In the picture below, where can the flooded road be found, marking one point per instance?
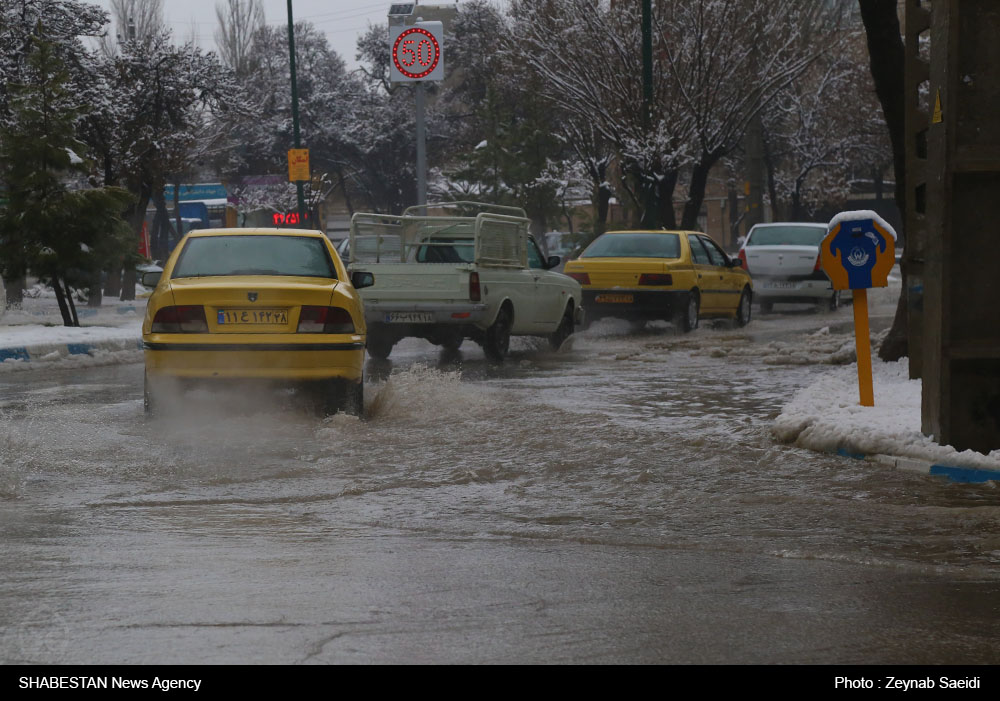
(620, 501)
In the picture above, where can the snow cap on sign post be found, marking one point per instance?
(859, 250)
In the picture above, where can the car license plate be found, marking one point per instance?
(409, 318)
(614, 299)
(253, 317)
(780, 285)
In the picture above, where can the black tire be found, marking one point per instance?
(564, 330)
(743, 312)
(354, 398)
(766, 307)
(334, 396)
(496, 343)
(453, 343)
(688, 317)
(379, 345)
(833, 304)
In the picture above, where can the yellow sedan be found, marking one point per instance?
(677, 276)
(256, 304)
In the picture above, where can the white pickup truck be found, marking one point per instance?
(474, 272)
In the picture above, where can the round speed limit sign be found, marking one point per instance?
(416, 53)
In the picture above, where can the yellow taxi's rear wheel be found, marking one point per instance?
(147, 395)
(333, 396)
(689, 315)
(354, 398)
(743, 310)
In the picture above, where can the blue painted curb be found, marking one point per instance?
(962, 475)
(45, 351)
(14, 354)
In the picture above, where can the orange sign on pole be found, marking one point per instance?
(858, 252)
(145, 250)
(298, 164)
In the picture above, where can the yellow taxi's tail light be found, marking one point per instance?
(325, 320)
(475, 295)
(656, 279)
(582, 278)
(183, 319)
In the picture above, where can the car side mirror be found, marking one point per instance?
(553, 261)
(735, 263)
(361, 280)
(151, 278)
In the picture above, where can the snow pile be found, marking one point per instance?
(827, 416)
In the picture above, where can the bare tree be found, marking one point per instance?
(717, 63)
(239, 21)
(139, 20)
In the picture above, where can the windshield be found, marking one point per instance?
(209, 256)
(787, 236)
(634, 246)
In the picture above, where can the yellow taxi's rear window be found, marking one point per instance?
(211, 256)
(634, 246)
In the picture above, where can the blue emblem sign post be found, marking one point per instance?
(858, 252)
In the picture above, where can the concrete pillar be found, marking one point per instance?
(961, 354)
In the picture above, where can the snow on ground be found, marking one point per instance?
(827, 416)
(37, 325)
(28, 335)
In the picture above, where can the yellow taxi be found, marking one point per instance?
(677, 276)
(256, 304)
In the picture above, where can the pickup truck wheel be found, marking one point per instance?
(564, 331)
(453, 343)
(379, 346)
(496, 344)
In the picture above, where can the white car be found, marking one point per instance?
(783, 260)
(475, 273)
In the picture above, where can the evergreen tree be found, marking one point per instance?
(56, 232)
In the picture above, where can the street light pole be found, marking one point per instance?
(651, 215)
(295, 109)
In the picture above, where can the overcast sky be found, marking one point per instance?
(342, 20)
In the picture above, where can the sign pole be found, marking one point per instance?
(295, 109)
(416, 56)
(863, 344)
(858, 253)
(421, 148)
